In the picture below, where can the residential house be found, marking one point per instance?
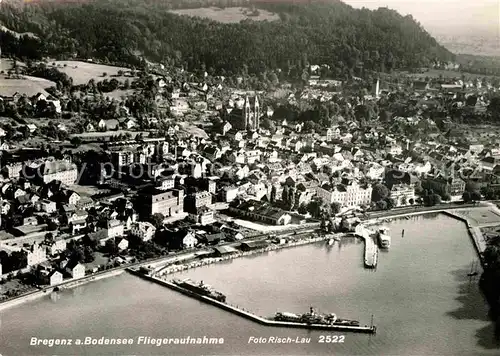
(332, 133)
(165, 183)
(260, 211)
(489, 163)
(228, 194)
(189, 240)
(78, 226)
(31, 127)
(305, 192)
(212, 153)
(441, 185)
(55, 245)
(114, 228)
(127, 123)
(55, 278)
(72, 197)
(196, 200)
(75, 215)
(111, 124)
(211, 239)
(47, 206)
(75, 269)
(202, 215)
(122, 245)
(143, 230)
(35, 254)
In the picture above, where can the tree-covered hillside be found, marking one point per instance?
(349, 40)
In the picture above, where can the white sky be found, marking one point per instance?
(441, 17)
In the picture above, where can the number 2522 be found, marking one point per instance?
(331, 339)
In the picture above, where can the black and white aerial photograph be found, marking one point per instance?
(250, 177)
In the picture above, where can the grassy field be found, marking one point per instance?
(227, 15)
(7, 64)
(86, 190)
(435, 73)
(189, 129)
(29, 86)
(82, 72)
(119, 94)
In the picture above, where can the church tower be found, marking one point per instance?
(257, 113)
(247, 114)
(251, 114)
(376, 88)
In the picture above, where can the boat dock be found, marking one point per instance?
(371, 248)
(248, 315)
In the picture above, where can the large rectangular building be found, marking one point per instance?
(346, 195)
(63, 171)
(198, 200)
(48, 170)
(403, 193)
(166, 202)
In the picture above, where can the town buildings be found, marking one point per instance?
(75, 270)
(197, 200)
(247, 117)
(55, 278)
(347, 195)
(403, 194)
(262, 212)
(167, 203)
(143, 230)
(35, 254)
(50, 170)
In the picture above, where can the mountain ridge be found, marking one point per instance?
(349, 40)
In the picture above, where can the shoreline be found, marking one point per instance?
(63, 286)
(166, 270)
(474, 233)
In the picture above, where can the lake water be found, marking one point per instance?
(421, 298)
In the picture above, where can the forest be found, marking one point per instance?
(350, 41)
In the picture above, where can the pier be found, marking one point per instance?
(371, 249)
(248, 315)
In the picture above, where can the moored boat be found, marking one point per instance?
(383, 237)
(314, 318)
(200, 288)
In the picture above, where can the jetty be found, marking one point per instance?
(371, 248)
(369, 329)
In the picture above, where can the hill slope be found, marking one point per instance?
(347, 39)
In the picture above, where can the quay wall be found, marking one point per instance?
(474, 232)
(208, 261)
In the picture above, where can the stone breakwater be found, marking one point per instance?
(372, 329)
(212, 260)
